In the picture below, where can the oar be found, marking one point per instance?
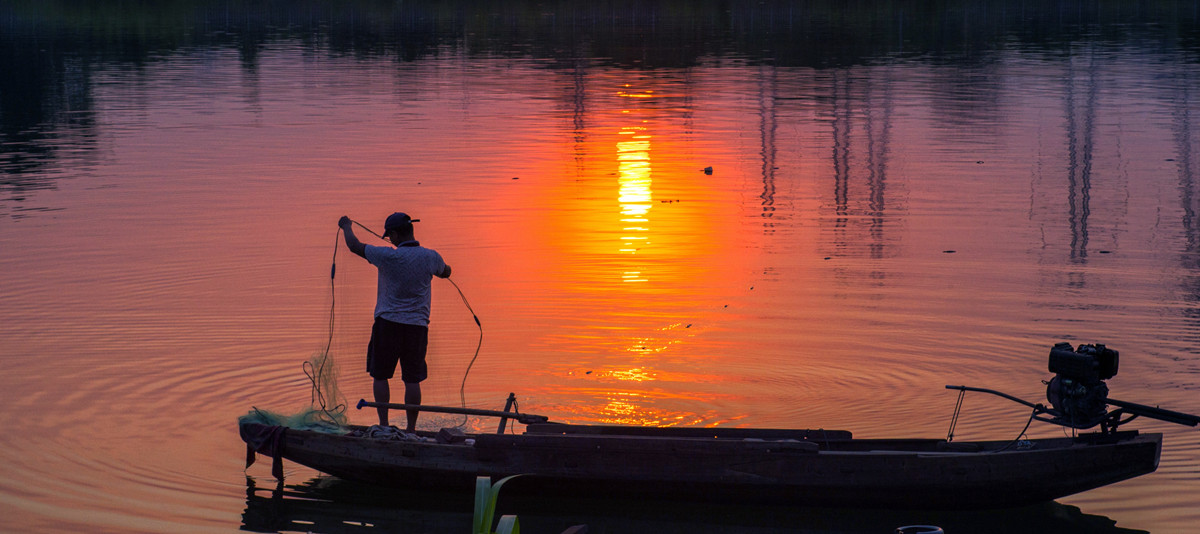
(523, 418)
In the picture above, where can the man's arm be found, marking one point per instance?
(352, 241)
(445, 273)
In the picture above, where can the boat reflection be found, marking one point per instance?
(331, 505)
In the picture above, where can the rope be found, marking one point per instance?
(314, 374)
(957, 410)
(370, 231)
(517, 410)
(332, 289)
(1023, 430)
(462, 388)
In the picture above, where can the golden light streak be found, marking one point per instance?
(634, 194)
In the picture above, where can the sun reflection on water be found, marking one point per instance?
(634, 195)
(637, 374)
(634, 408)
(655, 407)
(663, 339)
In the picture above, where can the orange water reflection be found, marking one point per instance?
(629, 408)
(635, 195)
(638, 201)
(623, 260)
(644, 407)
(807, 282)
(637, 137)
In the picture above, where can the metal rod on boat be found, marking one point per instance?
(523, 418)
(1128, 407)
(1005, 395)
(1156, 413)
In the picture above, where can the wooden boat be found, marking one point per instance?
(797, 467)
(794, 467)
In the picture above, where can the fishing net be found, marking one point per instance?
(326, 396)
(327, 408)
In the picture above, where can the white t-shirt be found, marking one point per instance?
(405, 273)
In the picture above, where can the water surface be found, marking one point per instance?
(898, 200)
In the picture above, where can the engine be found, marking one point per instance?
(1077, 391)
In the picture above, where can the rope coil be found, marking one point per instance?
(319, 370)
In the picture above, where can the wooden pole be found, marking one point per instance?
(523, 418)
(512, 397)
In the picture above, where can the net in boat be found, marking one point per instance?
(327, 409)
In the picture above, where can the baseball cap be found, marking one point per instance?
(397, 220)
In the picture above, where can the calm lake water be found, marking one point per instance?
(899, 199)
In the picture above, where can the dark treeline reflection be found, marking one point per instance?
(633, 32)
(50, 49)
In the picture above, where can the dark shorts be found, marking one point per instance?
(396, 342)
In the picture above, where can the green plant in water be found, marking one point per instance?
(486, 494)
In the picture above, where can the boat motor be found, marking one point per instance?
(1078, 395)
(1077, 391)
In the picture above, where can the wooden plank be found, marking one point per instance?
(690, 432)
(584, 444)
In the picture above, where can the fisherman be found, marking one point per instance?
(401, 329)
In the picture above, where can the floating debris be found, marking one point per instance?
(708, 171)
(949, 251)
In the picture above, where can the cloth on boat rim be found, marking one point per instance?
(264, 431)
(267, 439)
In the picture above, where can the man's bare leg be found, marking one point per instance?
(383, 395)
(412, 395)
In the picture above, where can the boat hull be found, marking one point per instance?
(798, 472)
